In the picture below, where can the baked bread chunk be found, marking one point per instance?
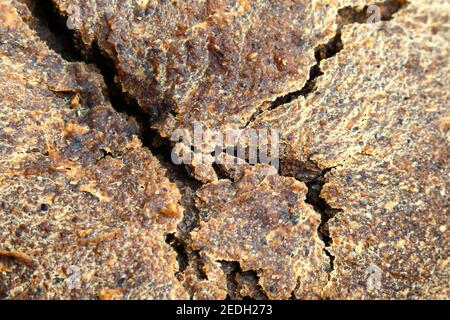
(379, 120)
(261, 221)
(84, 208)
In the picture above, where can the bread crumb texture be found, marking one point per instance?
(86, 209)
(378, 118)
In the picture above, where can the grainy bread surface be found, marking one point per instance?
(216, 62)
(84, 209)
(379, 117)
(261, 221)
(358, 210)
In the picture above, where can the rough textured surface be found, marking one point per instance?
(380, 116)
(262, 222)
(87, 212)
(205, 279)
(84, 209)
(216, 62)
(213, 61)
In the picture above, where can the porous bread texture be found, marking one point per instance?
(84, 208)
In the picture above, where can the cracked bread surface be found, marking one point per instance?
(84, 208)
(88, 212)
(215, 61)
(261, 221)
(379, 119)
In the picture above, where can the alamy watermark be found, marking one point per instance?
(200, 145)
(374, 13)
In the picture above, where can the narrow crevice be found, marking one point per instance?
(304, 171)
(52, 29)
(182, 254)
(326, 212)
(196, 264)
(323, 52)
(120, 101)
(314, 73)
(186, 258)
(199, 264)
(348, 15)
(162, 148)
(309, 87)
(123, 103)
(232, 269)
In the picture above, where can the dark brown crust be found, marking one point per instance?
(87, 212)
(379, 119)
(84, 209)
(262, 222)
(215, 61)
